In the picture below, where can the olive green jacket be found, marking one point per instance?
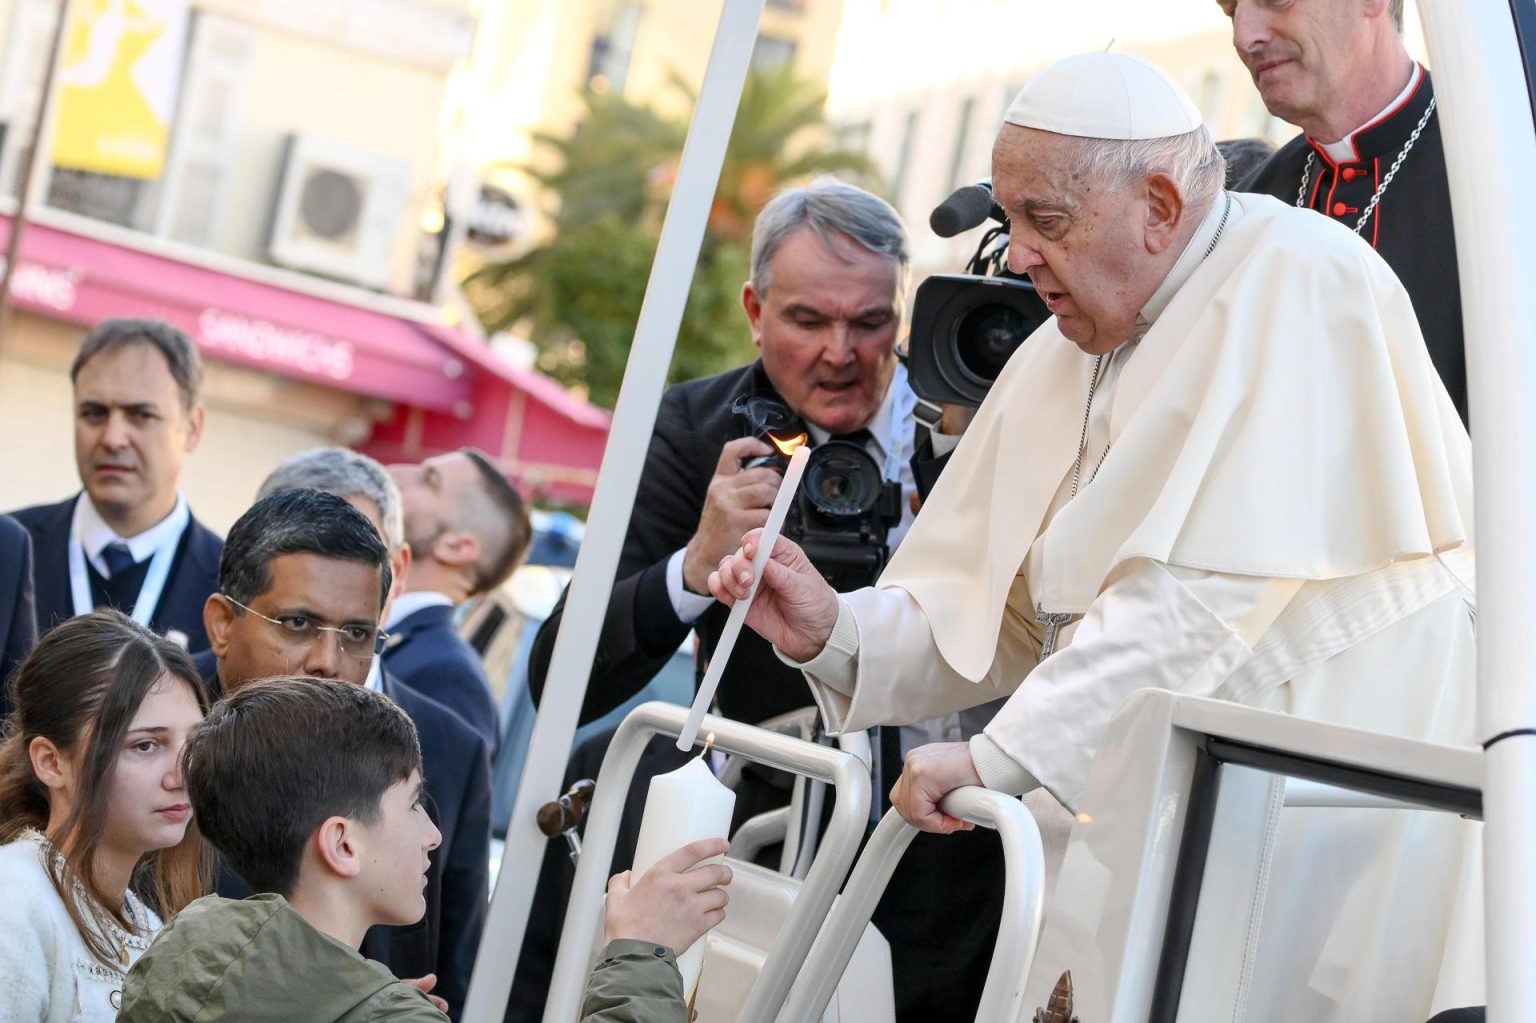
(257, 960)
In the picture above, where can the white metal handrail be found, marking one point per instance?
(1023, 894)
(634, 415)
(849, 779)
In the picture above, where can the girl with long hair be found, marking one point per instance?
(95, 822)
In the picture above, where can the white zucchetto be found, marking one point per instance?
(1105, 96)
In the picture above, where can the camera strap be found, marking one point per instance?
(927, 414)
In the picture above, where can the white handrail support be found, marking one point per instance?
(843, 771)
(1002, 996)
(1486, 122)
(661, 314)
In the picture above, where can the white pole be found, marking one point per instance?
(1487, 121)
(634, 417)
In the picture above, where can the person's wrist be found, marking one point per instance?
(695, 574)
(818, 640)
(813, 639)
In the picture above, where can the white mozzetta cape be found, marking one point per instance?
(1280, 419)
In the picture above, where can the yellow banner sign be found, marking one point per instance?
(117, 85)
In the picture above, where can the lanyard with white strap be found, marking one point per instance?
(154, 580)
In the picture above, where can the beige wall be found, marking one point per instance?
(530, 65)
(295, 84)
(254, 421)
(370, 74)
(678, 35)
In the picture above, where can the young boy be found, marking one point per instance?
(311, 789)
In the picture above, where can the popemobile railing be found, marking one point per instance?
(1003, 996)
(849, 779)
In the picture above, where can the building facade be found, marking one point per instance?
(267, 174)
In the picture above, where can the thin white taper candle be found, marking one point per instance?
(722, 654)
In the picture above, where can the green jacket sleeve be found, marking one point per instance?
(634, 982)
(400, 1003)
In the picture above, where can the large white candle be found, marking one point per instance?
(683, 806)
(722, 654)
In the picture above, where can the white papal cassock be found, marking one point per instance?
(1274, 508)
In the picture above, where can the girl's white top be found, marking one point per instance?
(47, 972)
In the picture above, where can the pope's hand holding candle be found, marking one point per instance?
(733, 622)
(794, 608)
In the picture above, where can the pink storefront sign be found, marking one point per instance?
(85, 280)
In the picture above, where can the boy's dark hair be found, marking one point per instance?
(296, 522)
(277, 757)
(180, 353)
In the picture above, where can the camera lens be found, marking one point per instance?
(841, 481)
(987, 336)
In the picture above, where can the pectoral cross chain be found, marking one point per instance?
(1052, 620)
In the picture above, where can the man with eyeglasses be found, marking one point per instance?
(303, 583)
(301, 595)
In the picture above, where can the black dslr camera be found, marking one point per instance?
(965, 327)
(844, 508)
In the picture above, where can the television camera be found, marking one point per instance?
(966, 326)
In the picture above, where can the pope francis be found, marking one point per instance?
(1226, 467)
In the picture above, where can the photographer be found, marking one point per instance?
(829, 277)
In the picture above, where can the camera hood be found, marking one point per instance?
(964, 330)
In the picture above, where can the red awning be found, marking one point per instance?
(450, 390)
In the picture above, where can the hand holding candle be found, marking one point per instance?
(675, 903)
(722, 654)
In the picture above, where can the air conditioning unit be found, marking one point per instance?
(339, 210)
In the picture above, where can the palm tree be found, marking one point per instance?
(579, 295)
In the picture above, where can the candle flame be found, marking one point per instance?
(709, 741)
(788, 445)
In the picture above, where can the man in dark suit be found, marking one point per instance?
(1370, 155)
(128, 539)
(303, 584)
(829, 275)
(18, 618)
(467, 528)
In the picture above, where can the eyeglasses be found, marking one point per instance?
(360, 641)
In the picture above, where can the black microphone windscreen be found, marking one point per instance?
(964, 209)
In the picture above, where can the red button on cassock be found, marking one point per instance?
(1348, 173)
(1339, 209)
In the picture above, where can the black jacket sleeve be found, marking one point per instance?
(466, 884)
(641, 630)
(18, 612)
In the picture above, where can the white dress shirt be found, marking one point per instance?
(408, 604)
(1344, 151)
(95, 535)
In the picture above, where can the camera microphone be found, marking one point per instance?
(964, 209)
